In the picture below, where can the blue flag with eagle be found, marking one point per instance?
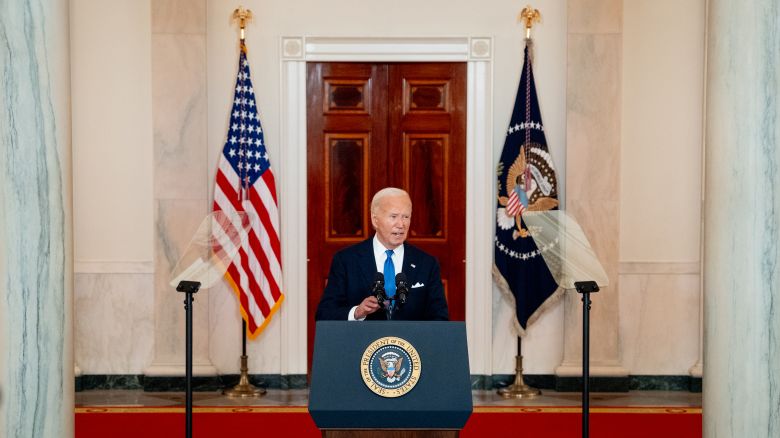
(526, 182)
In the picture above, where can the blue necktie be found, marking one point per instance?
(389, 274)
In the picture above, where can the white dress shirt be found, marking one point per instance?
(379, 257)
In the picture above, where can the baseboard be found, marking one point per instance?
(478, 382)
(177, 383)
(109, 381)
(539, 381)
(695, 385)
(665, 383)
(597, 384)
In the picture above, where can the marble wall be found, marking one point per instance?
(36, 339)
(180, 176)
(112, 151)
(659, 317)
(114, 324)
(660, 186)
(593, 175)
(192, 60)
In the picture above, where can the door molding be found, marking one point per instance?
(477, 53)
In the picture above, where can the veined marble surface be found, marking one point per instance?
(659, 309)
(593, 149)
(114, 322)
(742, 224)
(180, 187)
(36, 368)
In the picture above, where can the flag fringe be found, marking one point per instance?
(267, 319)
(503, 286)
(249, 334)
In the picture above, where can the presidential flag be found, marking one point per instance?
(245, 183)
(526, 182)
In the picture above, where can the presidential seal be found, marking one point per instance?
(390, 367)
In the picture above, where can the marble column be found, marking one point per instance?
(593, 175)
(180, 176)
(36, 273)
(742, 221)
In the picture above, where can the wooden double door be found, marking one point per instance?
(373, 125)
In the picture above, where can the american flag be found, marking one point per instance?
(245, 183)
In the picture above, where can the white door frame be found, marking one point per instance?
(477, 53)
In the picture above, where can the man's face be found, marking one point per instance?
(391, 220)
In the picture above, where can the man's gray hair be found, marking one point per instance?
(385, 192)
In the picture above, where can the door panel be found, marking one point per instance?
(429, 134)
(346, 180)
(376, 125)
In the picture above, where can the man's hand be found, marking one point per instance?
(367, 307)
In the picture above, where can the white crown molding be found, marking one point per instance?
(377, 49)
(477, 52)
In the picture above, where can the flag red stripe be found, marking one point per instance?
(254, 288)
(262, 260)
(257, 203)
(251, 306)
(512, 206)
(261, 301)
(232, 197)
(230, 192)
(270, 182)
(251, 324)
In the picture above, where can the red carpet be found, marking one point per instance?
(605, 422)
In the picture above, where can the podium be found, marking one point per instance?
(390, 378)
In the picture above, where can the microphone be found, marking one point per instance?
(401, 288)
(378, 288)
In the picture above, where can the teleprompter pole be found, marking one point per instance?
(586, 288)
(189, 288)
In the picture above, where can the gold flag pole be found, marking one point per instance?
(244, 389)
(519, 389)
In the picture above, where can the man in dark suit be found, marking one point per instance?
(348, 296)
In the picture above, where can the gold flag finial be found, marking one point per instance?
(242, 16)
(529, 15)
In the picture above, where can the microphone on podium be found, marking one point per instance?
(378, 288)
(401, 288)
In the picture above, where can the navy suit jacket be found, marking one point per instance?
(352, 273)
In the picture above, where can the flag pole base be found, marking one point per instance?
(244, 389)
(519, 389)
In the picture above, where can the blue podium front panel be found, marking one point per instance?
(390, 375)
